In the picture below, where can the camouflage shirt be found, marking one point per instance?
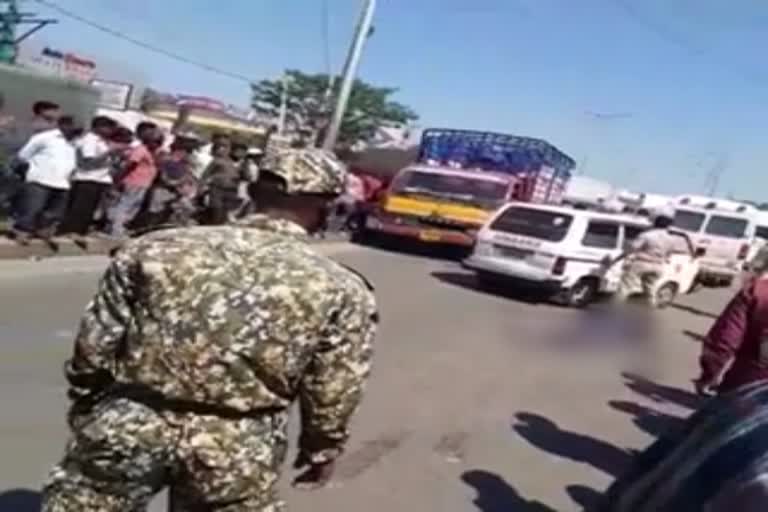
(242, 317)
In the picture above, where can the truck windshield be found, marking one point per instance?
(541, 224)
(687, 220)
(728, 227)
(478, 191)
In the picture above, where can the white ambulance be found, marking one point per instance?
(723, 233)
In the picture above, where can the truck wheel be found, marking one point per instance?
(666, 295)
(581, 294)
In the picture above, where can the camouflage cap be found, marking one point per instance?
(308, 171)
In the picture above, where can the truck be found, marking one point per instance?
(460, 178)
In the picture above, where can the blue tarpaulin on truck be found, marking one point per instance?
(493, 152)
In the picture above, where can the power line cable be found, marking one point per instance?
(147, 46)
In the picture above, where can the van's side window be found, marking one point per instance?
(630, 234)
(601, 235)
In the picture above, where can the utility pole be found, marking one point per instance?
(350, 71)
(10, 21)
(283, 106)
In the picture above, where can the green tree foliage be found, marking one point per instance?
(309, 106)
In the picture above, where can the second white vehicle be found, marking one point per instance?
(564, 251)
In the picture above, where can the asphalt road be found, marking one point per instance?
(478, 401)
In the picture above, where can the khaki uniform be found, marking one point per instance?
(644, 264)
(188, 358)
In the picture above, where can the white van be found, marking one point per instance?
(723, 233)
(558, 248)
(563, 250)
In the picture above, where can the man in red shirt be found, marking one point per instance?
(739, 337)
(134, 179)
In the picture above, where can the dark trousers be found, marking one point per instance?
(221, 202)
(40, 207)
(84, 199)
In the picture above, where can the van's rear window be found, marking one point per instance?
(728, 227)
(689, 221)
(541, 224)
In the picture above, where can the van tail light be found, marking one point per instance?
(558, 268)
(744, 251)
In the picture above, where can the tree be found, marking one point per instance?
(309, 106)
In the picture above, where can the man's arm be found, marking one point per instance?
(332, 387)
(102, 329)
(725, 338)
(33, 145)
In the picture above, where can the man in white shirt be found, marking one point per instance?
(92, 178)
(51, 160)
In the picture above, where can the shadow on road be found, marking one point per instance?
(694, 311)
(694, 336)
(415, 248)
(661, 393)
(544, 434)
(494, 494)
(469, 282)
(650, 421)
(20, 500)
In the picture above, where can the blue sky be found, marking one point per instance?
(648, 94)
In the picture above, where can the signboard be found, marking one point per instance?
(114, 95)
(63, 64)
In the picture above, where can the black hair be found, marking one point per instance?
(239, 146)
(220, 136)
(41, 106)
(663, 222)
(145, 126)
(103, 122)
(122, 135)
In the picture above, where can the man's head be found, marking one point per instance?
(144, 128)
(121, 135)
(300, 185)
(152, 138)
(46, 110)
(221, 138)
(69, 127)
(103, 126)
(663, 217)
(239, 151)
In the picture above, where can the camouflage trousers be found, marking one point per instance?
(122, 453)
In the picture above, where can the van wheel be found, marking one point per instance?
(666, 295)
(580, 295)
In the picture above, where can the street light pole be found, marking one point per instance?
(350, 70)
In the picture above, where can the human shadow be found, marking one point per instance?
(544, 434)
(660, 392)
(650, 421)
(470, 282)
(694, 311)
(20, 500)
(694, 336)
(494, 494)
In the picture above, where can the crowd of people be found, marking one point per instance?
(112, 180)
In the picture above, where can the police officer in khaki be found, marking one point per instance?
(644, 261)
(196, 344)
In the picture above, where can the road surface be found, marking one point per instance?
(474, 404)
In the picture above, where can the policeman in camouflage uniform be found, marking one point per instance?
(197, 343)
